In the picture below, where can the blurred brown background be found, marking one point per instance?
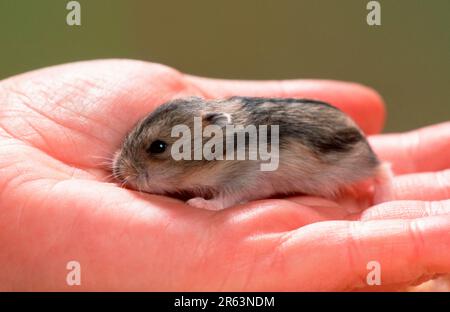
(407, 58)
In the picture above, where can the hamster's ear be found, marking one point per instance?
(217, 118)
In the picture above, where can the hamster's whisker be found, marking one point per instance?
(106, 158)
(100, 157)
(104, 161)
(125, 181)
(108, 165)
(110, 177)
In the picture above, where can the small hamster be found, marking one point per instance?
(320, 151)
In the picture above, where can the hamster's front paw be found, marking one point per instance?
(199, 202)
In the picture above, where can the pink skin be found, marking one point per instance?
(55, 205)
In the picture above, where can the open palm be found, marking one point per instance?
(57, 204)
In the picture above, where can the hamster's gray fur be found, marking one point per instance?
(321, 152)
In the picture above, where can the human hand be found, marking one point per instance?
(56, 204)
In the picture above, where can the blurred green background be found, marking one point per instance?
(407, 58)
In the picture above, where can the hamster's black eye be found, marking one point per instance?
(157, 147)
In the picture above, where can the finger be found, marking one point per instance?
(405, 209)
(425, 149)
(334, 255)
(284, 215)
(363, 104)
(416, 186)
